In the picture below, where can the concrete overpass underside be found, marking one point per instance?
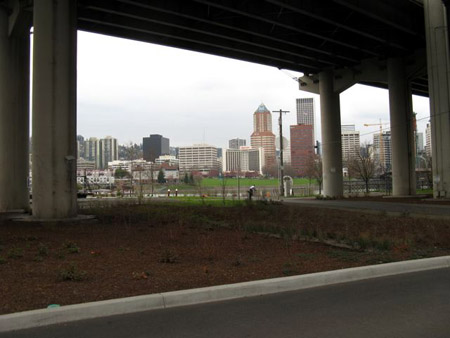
(400, 45)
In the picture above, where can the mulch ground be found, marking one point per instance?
(136, 250)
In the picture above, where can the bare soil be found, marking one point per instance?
(143, 249)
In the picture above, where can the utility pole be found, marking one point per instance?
(239, 171)
(280, 124)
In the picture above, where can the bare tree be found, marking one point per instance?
(429, 172)
(362, 165)
(314, 170)
(224, 188)
(289, 171)
(270, 170)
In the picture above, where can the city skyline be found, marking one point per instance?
(126, 86)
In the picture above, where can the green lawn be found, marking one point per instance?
(244, 182)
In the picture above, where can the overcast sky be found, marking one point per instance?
(129, 90)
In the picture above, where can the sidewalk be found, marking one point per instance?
(384, 208)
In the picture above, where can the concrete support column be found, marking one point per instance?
(438, 57)
(330, 116)
(14, 117)
(54, 110)
(402, 133)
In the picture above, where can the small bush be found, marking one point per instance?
(15, 253)
(38, 258)
(306, 256)
(42, 250)
(72, 273)
(168, 256)
(71, 247)
(384, 245)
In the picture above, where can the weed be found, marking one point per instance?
(42, 250)
(71, 247)
(72, 273)
(15, 253)
(344, 255)
(237, 262)
(38, 258)
(61, 254)
(288, 270)
(306, 256)
(421, 253)
(331, 235)
(384, 245)
(140, 275)
(168, 256)
(3, 260)
(361, 243)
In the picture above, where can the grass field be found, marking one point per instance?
(244, 182)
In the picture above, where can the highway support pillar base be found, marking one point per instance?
(54, 110)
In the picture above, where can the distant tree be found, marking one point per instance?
(161, 178)
(191, 178)
(223, 185)
(314, 170)
(198, 184)
(121, 173)
(270, 170)
(429, 172)
(363, 165)
(186, 178)
(289, 171)
(130, 151)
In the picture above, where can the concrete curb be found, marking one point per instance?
(69, 313)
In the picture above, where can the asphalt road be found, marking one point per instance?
(408, 305)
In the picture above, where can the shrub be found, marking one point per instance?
(42, 250)
(15, 253)
(71, 247)
(72, 273)
(168, 256)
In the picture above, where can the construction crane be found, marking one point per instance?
(382, 155)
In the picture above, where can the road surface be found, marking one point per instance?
(409, 305)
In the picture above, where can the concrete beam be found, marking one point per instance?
(54, 110)
(14, 116)
(369, 71)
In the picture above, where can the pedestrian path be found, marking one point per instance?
(388, 208)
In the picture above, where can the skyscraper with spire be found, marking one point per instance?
(262, 136)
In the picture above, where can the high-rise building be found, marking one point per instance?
(80, 146)
(155, 146)
(109, 151)
(92, 151)
(428, 140)
(382, 150)
(305, 112)
(236, 143)
(286, 149)
(199, 157)
(302, 147)
(419, 143)
(262, 136)
(243, 160)
(350, 142)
